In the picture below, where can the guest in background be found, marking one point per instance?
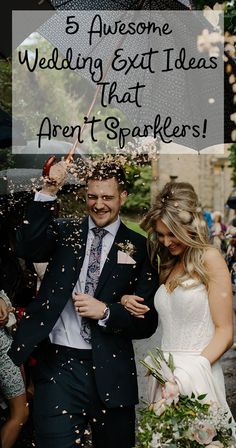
(12, 386)
(13, 292)
(218, 230)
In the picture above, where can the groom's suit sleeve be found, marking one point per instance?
(42, 238)
(37, 237)
(120, 320)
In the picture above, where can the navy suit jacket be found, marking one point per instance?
(62, 243)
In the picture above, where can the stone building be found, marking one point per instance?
(208, 173)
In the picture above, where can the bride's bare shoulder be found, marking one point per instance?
(211, 253)
(214, 260)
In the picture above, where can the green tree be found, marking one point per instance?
(230, 17)
(138, 201)
(5, 84)
(6, 159)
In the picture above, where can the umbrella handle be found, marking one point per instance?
(47, 166)
(52, 159)
(69, 156)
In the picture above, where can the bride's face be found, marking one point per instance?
(168, 239)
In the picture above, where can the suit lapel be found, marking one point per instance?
(111, 260)
(82, 241)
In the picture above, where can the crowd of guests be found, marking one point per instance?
(17, 289)
(223, 236)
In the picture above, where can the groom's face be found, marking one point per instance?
(104, 199)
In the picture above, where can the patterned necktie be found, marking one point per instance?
(93, 274)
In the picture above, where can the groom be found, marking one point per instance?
(80, 333)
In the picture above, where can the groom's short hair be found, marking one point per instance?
(109, 170)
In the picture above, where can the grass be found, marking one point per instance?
(133, 225)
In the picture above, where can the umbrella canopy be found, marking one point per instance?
(183, 95)
(120, 4)
(31, 148)
(14, 181)
(160, 5)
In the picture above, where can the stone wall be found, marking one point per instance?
(209, 174)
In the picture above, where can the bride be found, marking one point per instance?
(194, 300)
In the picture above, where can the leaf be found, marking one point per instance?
(154, 372)
(190, 412)
(171, 362)
(201, 397)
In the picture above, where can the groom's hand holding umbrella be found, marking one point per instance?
(56, 178)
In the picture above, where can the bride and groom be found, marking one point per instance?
(97, 295)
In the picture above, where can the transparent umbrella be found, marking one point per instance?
(189, 96)
(120, 4)
(159, 5)
(15, 181)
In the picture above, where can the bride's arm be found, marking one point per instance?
(134, 305)
(220, 301)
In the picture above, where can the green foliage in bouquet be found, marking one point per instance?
(179, 421)
(188, 424)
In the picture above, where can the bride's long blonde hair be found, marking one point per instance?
(178, 207)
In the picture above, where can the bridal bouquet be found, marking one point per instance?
(178, 421)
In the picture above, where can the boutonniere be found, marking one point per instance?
(124, 255)
(127, 247)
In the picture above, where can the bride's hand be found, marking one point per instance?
(133, 305)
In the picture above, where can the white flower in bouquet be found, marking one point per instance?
(159, 407)
(170, 392)
(202, 432)
(155, 442)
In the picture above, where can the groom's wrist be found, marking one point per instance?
(105, 316)
(105, 313)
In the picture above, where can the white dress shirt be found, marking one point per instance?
(66, 330)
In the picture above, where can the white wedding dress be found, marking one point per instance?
(186, 328)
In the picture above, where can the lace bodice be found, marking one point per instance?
(185, 318)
